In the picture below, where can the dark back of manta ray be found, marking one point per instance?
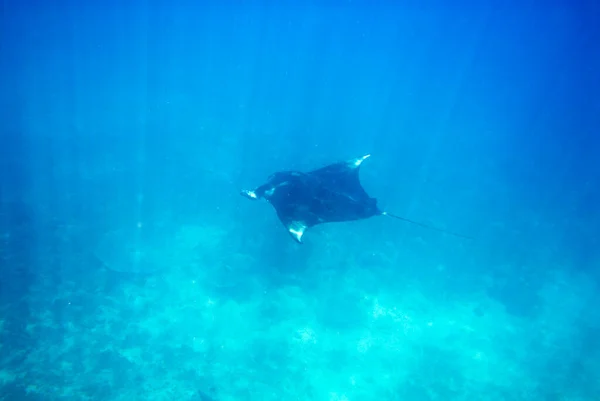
(329, 194)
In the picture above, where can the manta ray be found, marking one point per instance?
(329, 194)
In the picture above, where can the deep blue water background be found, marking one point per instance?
(146, 119)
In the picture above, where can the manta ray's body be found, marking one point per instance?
(330, 194)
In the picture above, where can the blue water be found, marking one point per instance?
(132, 269)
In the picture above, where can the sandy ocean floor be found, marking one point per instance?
(206, 328)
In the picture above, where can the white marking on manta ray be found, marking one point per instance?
(297, 230)
(250, 194)
(271, 191)
(359, 161)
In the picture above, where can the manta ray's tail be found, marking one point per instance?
(425, 225)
